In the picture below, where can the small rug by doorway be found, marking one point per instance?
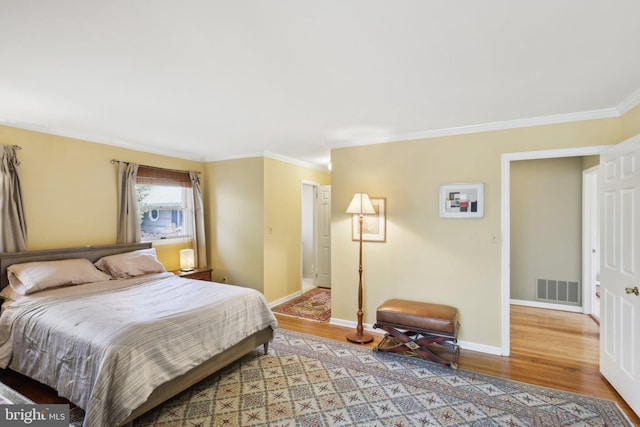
(310, 381)
(313, 305)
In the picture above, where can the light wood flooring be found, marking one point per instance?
(548, 348)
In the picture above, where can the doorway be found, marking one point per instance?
(315, 236)
(506, 224)
(308, 221)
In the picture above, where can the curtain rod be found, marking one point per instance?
(114, 161)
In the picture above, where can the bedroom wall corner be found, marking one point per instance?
(69, 188)
(425, 257)
(282, 225)
(631, 122)
(235, 210)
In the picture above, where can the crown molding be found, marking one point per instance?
(629, 102)
(270, 155)
(293, 161)
(95, 139)
(485, 127)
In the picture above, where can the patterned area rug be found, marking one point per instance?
(313, 305)
(9, 396)
(310, 381)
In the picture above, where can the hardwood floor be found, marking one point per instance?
(548, 348)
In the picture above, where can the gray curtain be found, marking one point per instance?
(199, 240)
(13, 235)
(128, 220)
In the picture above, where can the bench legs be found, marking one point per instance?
(415, 343)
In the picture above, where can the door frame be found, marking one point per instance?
(505, 256)
(589, 237)
(315, 186)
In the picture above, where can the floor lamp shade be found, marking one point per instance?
(361, 205)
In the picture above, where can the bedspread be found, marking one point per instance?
(105, 346)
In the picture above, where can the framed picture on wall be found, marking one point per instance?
(463, 200)
(374, 226)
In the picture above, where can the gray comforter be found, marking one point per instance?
(105, 346)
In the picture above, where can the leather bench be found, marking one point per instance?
(413, 328)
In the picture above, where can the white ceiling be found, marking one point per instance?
(211, 79)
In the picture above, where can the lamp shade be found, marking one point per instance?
(187, 260)
(361, 204)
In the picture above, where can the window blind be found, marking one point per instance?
(158, 176)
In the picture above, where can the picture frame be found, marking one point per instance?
(374, 226)
(462, 200)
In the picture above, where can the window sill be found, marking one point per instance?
(170, 241)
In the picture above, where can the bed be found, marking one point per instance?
(119, 347)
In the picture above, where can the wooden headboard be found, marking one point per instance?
(92, 253)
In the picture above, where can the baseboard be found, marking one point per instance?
(465, 345)
(306, 288)
(480, 348)
(285, 299)
(550, 306)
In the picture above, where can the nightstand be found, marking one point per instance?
(198, 273)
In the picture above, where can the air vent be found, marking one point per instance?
(559, 291)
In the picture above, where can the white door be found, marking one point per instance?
(619, 195)
(323, 203)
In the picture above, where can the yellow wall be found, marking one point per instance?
(425, 257)
(70, 197)
(235, 206)
(254, 206)
(631, 123)
(282, 225)
(69, 189)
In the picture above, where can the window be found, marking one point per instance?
(164, 204)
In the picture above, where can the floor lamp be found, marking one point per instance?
(360, 205)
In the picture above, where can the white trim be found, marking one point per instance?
(285, 299)
(629, 102)
(482, 348)
(547, 305)
(483, 127)
(171, 241)
(557, 153)
(87, 137)
(589, 205)
(315, 186)
(505, 257)
(350, 324)
(505, 280)
(271, 155)
(296, 162)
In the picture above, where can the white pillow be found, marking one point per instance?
(9, 294)
(131, 264)
(32, 277)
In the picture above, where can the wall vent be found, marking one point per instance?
(559, 291)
